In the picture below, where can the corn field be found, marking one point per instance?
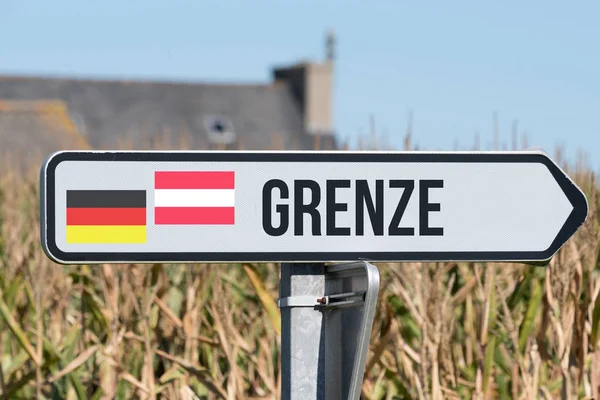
(442, 330)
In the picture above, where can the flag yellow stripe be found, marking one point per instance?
(106, 234)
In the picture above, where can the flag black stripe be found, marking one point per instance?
(106, 198)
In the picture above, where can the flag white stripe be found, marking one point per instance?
(194, 197)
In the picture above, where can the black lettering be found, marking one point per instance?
(311, 208)
(282, 209)
(394, 228)
(333, 207)
(363, 197)
(425, 207)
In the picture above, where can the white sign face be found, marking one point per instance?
(306, 206)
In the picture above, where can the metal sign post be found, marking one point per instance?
(327, 316)
(309, 207)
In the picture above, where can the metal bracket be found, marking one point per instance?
(340, 300)
(298, 301)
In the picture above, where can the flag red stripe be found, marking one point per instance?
(106, 216)
(194, 180)
(194, 215)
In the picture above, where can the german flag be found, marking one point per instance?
(106, 216)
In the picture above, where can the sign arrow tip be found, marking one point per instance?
(578, 215)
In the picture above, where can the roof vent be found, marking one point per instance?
(219, 129)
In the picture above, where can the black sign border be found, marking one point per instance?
(47, 186)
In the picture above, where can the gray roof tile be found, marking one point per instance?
(28, 136)
(116, 114)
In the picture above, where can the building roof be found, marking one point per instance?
(122, 114)
(31, 130)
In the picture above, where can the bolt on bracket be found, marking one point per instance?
(341, 300)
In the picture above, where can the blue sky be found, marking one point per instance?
(453, 63)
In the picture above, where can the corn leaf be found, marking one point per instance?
(266, 299)
(14, 327)
(532, 311)
(75, 363)
(595, 323)
(13, 289)
(16, 363)
(488, 363)
(97, 394)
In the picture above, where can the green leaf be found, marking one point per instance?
(70, 343)
(173, 373)
(520, 292)
(69, 347)
(175, 299)
(198, 388)
(501, 362)
(154, 314)
(492, 302)
(13, 290)
(50, 351)
(468, 372)
(16, 363)
(13, 387)
(595, 323)
(488, 363)
(241, 292)
(79, 388)
(502, 383)
(122, 389)
(265, 298)
(532, 310)
(14, 327)
(97, 394)
(94, 304)
(401, 390)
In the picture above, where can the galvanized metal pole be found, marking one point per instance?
(327, 316)
(302, 334)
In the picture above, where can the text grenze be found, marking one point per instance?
(276, 201)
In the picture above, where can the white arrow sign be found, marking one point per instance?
(306, 206)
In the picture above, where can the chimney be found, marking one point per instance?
(330, 46)
(312, 86)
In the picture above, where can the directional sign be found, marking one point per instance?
(306, 206)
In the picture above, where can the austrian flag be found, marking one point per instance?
(194, 197)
